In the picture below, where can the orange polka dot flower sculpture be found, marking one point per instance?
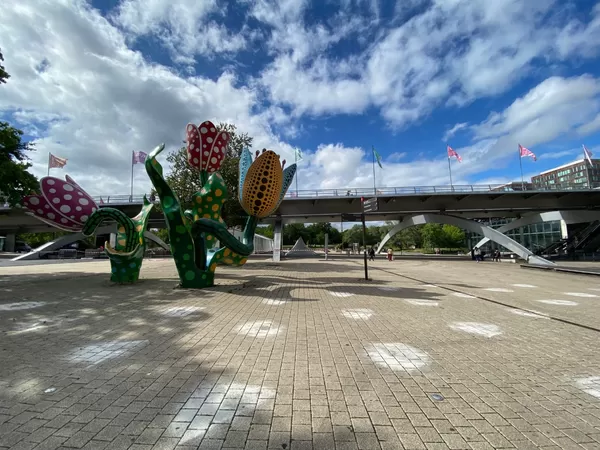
(193, 234)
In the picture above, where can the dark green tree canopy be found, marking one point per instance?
(15, 180)
(3, 74)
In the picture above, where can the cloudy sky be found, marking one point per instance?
(93, 81)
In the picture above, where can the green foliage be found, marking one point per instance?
(427, 236)
(454, 236)
(15, 181)
(442, 236)
(163, 234)
(185, 180)
(3, 74)
(37, 239)
(266, 231)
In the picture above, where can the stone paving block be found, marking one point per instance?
(303, 353)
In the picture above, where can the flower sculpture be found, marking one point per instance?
(263, 184)
(65, 205)
(193, 234)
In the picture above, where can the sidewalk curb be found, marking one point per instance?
(561, 269)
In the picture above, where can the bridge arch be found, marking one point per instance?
(470, 225)
(550, 216)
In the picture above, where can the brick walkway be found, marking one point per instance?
(300, 355)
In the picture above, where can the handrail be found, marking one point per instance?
(381, 191)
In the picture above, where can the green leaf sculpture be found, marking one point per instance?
(193, 234)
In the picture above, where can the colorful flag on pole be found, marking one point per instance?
(298, 154)
(377, 157)
(139, 157)
(526, 152)
(452, 154)
(57, 162)
(587, 154)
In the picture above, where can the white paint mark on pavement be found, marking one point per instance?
(559, 302)
(483, 329)
(358, 314)
(523, 285)
(498, 290)
(388, 288)
(580, 294)
(421, 302)
(16, 306)
(341, 294)
(182, 311)
(589, 385)
(534, 315)
(398, 356)
(274, 302)
(259, 329)
(461, 295)
(101, 351)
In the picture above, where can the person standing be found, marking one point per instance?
(477, 253)
(390, 254)
(372, 254)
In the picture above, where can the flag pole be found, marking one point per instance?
(296, 162)
(49, 159)
(450, 172)
(586, 160)
(521, 166)
(374, 181)
(131, 198)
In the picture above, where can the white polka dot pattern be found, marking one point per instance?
(41, 209)
(62, 204)
(67, 199)
(206, 147)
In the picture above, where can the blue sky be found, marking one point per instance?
(332, 78)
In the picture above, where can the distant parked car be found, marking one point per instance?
(22, 247)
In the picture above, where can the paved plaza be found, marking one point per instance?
(300, 355)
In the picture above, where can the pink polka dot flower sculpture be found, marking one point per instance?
(65, 205)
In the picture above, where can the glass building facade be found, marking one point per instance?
(534, 237)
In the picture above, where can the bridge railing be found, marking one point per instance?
(372, 192)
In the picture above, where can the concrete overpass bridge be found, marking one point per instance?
(462, 206)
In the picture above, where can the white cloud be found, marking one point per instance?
(447, 54)
(97, 100)
(80, 89)
(554, 107)
(185, 27)
(455, 129)
(591, 127)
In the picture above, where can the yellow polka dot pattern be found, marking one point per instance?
(263, 184)
(208, 203)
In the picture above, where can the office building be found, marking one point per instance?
(572, 175)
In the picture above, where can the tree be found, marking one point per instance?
(454, 236)
(15, 180)
(433, 235)
(266, 231)
(3, 74)
(293, 231)
(185, 180)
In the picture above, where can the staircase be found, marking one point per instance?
(583, 238)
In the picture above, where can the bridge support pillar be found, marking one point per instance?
(277, 240)
(10, 242)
